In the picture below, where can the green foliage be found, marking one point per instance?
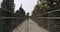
(34, 11)
(9, 24)
(44, 6)
(39, 9)
(8, 4)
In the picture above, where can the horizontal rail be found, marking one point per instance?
(11, 17)
(30, 17)
(46, 17)
(52, 11)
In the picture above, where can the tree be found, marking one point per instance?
(7, 9)
(53, 4)
(39, 9)
(8, 4)
(46, 6)
(21, 11)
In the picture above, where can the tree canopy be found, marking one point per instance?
(45, 6)
(8, 4)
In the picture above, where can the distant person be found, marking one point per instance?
(27, 15)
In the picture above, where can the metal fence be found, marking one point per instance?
(8, 24)
(52, 24)
(49, 21)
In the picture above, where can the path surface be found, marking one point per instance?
(32, 27)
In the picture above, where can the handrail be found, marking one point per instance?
(30, 17)
(51, 11)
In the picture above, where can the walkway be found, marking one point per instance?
(31, 27)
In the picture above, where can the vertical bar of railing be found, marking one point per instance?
(49, 22)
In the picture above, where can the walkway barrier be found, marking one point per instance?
(52, 24)
(8, 24)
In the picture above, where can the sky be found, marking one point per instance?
(27, 5)
(0, 3)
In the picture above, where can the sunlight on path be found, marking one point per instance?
(32, 27)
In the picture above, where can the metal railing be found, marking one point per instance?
(49, 21)
(44, 20)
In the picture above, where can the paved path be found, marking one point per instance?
(32, 27)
